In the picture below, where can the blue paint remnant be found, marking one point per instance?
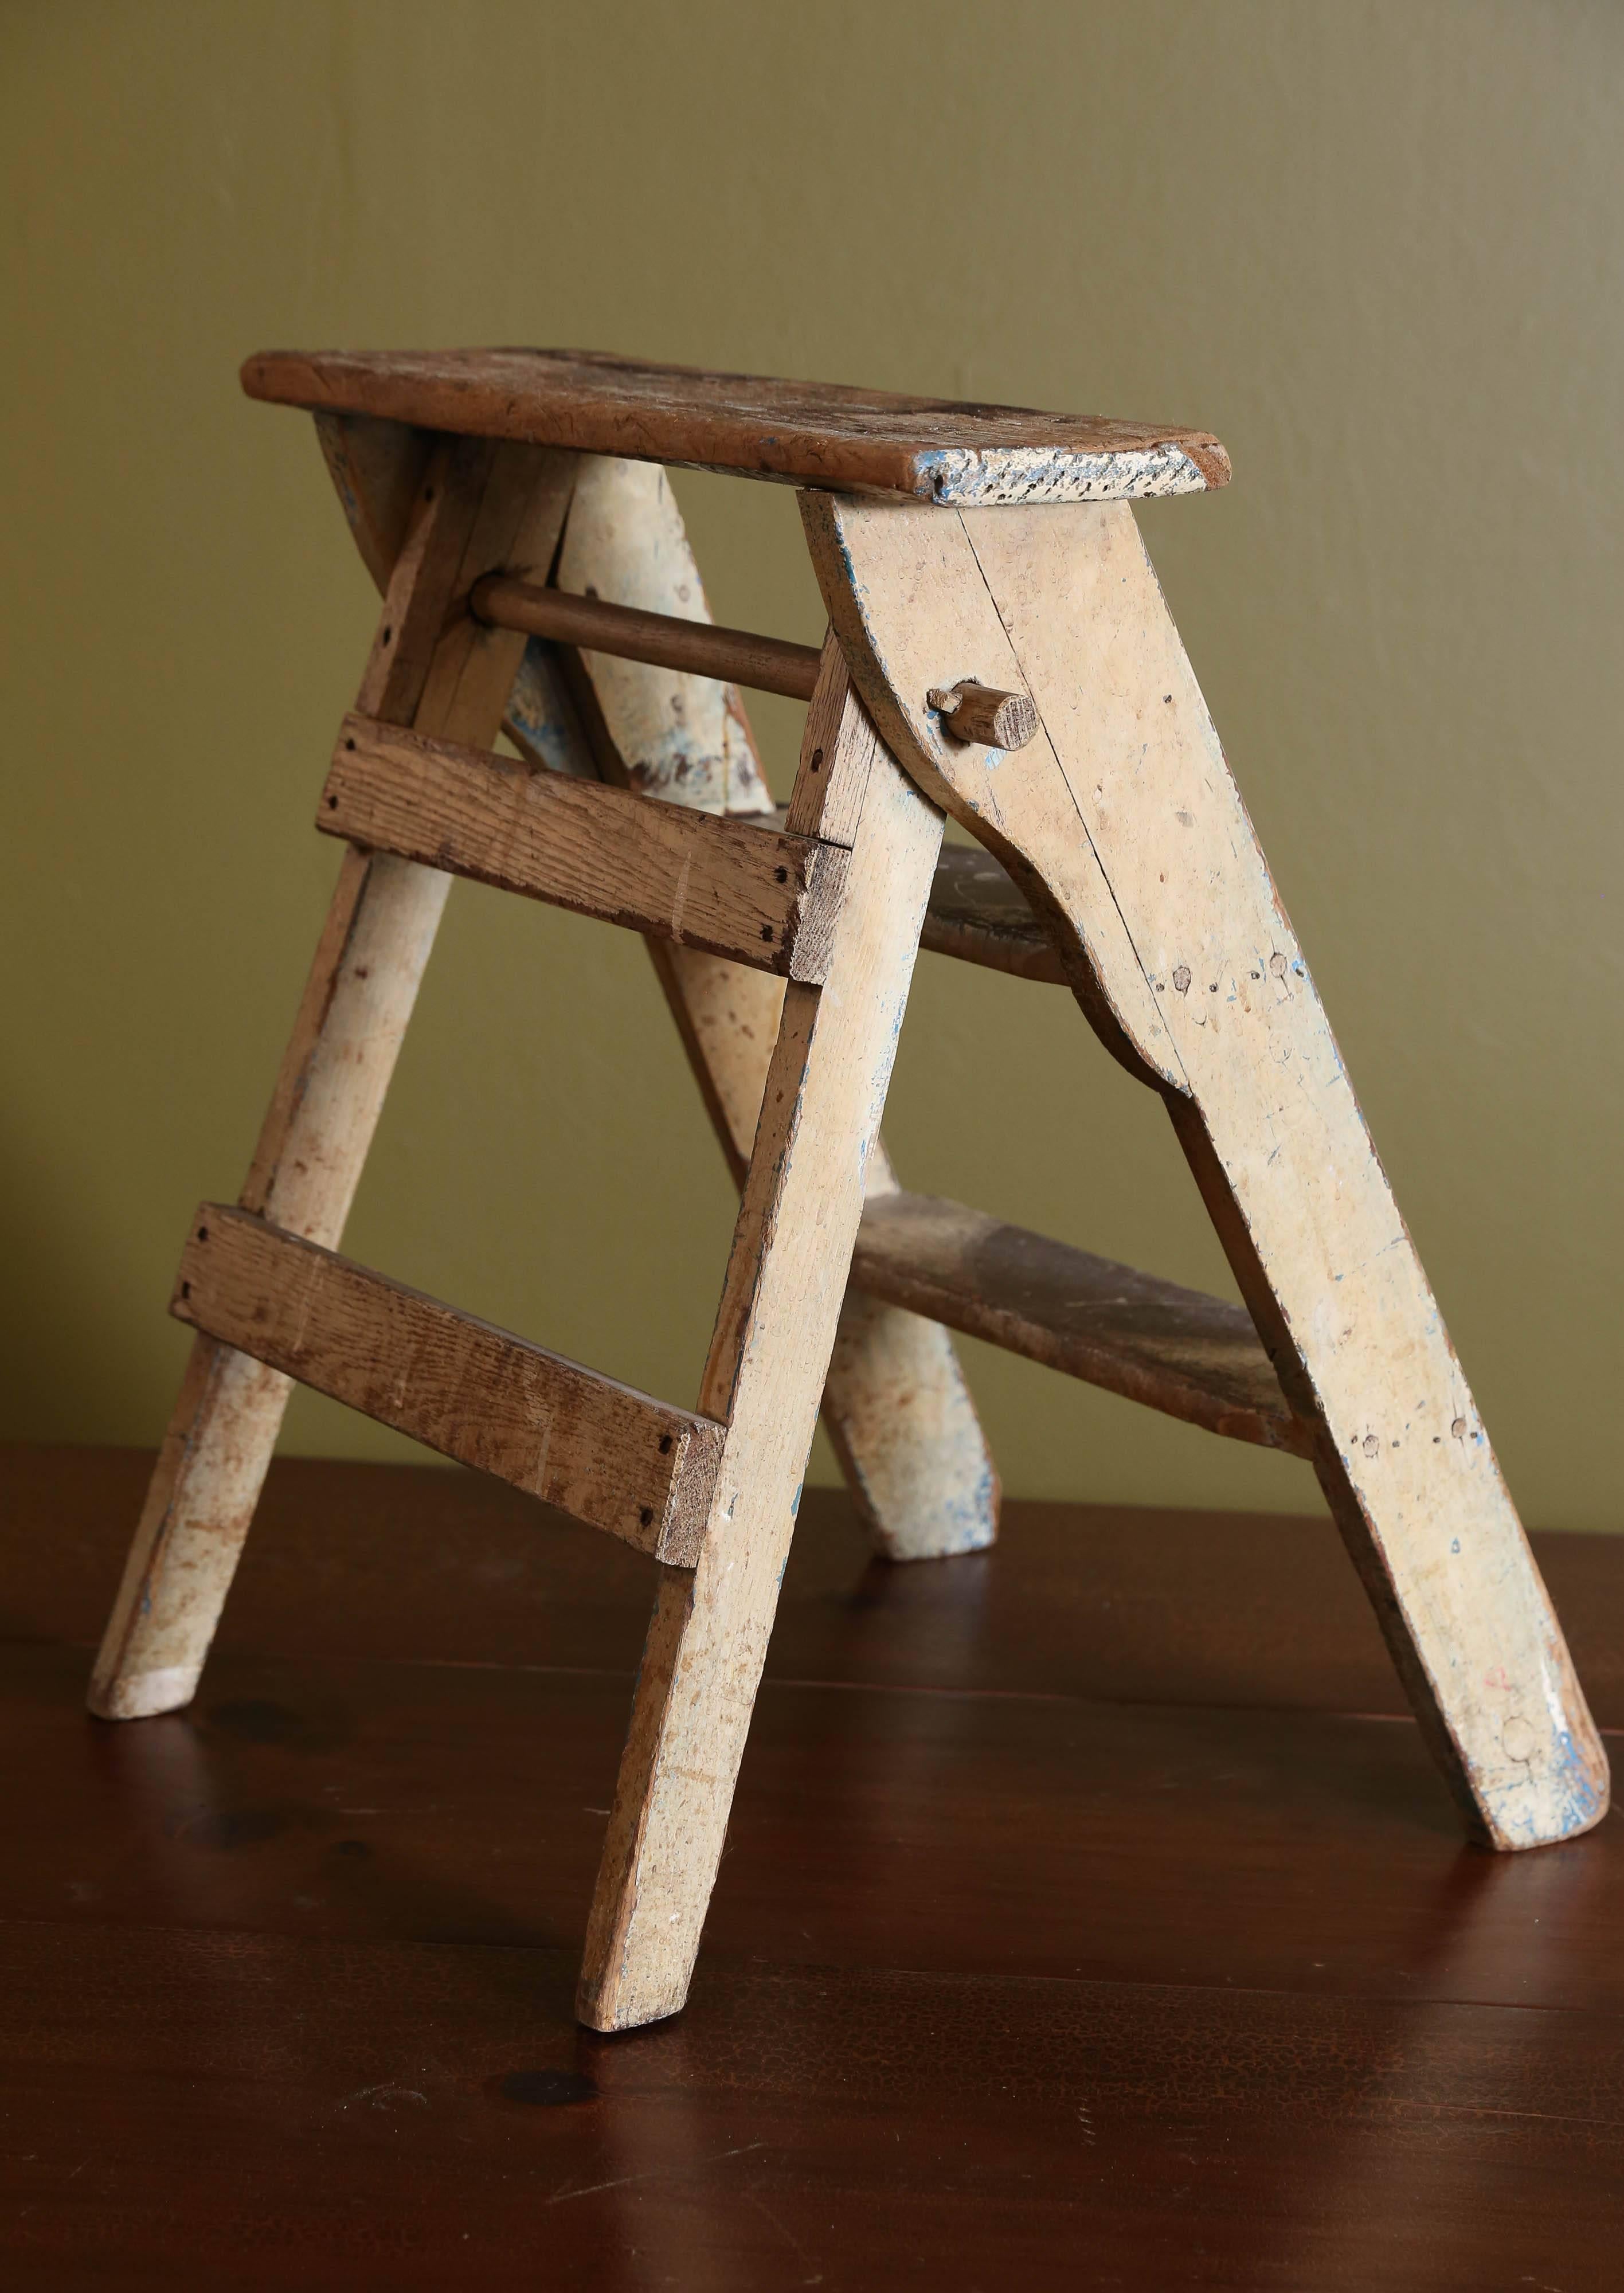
(1585, 1801)
(1455, 1547)
(795, 1501)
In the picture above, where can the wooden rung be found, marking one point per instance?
(703, 648)
(1193, 1357)
(979, 915)
(755, 894)
(609, 1456)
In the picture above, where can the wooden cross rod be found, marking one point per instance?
(973, 712)
(736, 656)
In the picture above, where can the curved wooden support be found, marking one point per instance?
(1122, 817)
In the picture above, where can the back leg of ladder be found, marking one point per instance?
(896, 1409)
(792, 1253)
(477, 507)
(1122, 819)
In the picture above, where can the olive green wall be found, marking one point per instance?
(1376, 248)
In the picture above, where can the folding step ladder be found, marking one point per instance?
(998, 650)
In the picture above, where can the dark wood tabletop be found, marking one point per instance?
(1090, 1917)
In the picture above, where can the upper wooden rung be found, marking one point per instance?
(805, 433)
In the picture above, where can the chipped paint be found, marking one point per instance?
(963, 477)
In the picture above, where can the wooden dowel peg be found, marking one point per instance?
(982, 714)
(735, 656)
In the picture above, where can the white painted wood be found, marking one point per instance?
(682, 737)
(787, 1277)
(1123, 808)
(477, 508)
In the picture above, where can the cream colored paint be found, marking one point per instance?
(1374, 247)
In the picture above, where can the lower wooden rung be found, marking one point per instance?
(1193, 1357)
(609, 1456)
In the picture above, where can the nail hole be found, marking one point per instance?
(766, 931)
(817, 760)
(185, 1289)
(782, 874)
(202, 1233)
(646, 1515)
(332, 804)
(387, 635)
(349, 744)
(429, 493)
(665, 1445)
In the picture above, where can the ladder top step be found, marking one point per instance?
(805, 434)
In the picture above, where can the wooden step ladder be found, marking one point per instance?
(999, 650)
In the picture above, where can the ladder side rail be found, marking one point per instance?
(435, 668)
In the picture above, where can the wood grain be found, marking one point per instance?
(726, 885)
(979, 915)
(433, 667)
(1164, 1989)
(898, 1410)
(1192, 1357)
(599, 1451)
(1123, 820)
(1122, 1603)
(671, 733)
(980, 714)
(769, 1355)
(819, 434)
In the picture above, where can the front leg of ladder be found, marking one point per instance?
(478, 507)
(792, 1252)
(896, 1406)
(1123, 818)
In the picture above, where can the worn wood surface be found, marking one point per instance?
(701, 648)
(896, 1405)
(802, 433)
(775, 1333)
(1088, 1910)
(1122, 821)
(602, 1453)
(728, 886)
(1192, 1356)
(979, 913)
(432, 667)
(980, 714)
(673, 735)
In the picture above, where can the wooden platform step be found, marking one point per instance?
(804, 433)
(609, 1456)
(1190, 1355)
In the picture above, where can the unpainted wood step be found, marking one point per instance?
(1175, 1349)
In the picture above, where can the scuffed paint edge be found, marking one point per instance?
(962, 478)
